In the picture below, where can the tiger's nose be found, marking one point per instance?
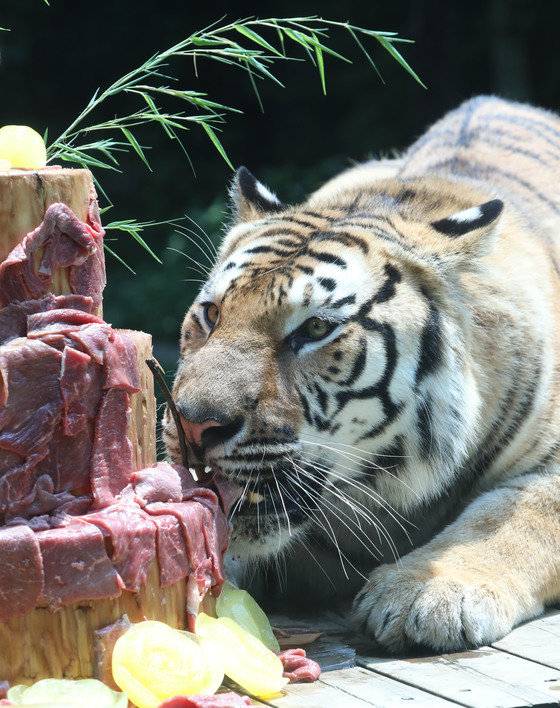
(209, 433)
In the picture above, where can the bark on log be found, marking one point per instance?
(25, 197)
(142, 425)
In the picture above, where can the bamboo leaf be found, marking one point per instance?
(135, 144)
(218, 145)
(398, 56)
(251, 34)
(321, 67)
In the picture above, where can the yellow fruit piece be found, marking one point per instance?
(5, 165)
(244, 657)
(239, 606)
(22, 147)
(152, 662)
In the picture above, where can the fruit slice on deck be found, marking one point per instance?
(152, 662)
(244, 657)
(60, 692)
(239, 606)
(22, 147)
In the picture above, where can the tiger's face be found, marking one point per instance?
(319, 368)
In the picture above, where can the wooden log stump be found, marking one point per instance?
(142, 429)
(60, 644)
(25, 196)
(45, 643)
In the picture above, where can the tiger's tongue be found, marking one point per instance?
(229, 491)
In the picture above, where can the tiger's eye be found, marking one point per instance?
(211, 314)
(317, 328)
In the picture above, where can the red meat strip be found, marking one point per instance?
(9, 461)
(74, 385)
(220, 700)
(68, 461)
(104, 641)
(132, 535)
(206, 533)
(90, 277)
(172, 554)
(297, 667)
(31, 402)
(92, 339)
(61, 241)
(13, 318)
(76, 565)
(16, 490)
(4, 686)
(112, 450)
(159, 483)
(121, 364)
(59, 322)
(21, 571)
(41, 500)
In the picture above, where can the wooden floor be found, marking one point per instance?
(523, 669)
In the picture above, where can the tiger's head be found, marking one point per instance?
(323, 369)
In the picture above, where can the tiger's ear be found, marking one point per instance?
(251, 199)
(469, 233)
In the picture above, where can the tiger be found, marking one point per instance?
(375, 373)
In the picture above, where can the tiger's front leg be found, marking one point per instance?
(497, 565)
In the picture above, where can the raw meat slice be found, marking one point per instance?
(16, 490)
(159, 483)
(43, 499)
(206, 533)
(172, 554)
(93, 340)
(74, 385)
(59, 322)
(21, 571)
(297, 667)
(9, 461)
(121, 364)
(27, 422)
(60, 241)
(132, 535)
(112, 450)
(219, 700)
(68, 461)
(76, 565)
(13, 318)
(104, 640)
(90, 277)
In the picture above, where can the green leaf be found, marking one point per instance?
(398, 56)
(218, 145)
(321, 66)
(135, 144)
(133, 228)
(250, 34)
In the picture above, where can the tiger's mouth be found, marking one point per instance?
(261, 494)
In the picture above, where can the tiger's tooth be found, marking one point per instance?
(254, 497)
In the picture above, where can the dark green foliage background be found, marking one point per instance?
(55, 57)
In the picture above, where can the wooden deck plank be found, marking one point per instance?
(317, 695)
(538, 640)
(483, 677)
(381, 691)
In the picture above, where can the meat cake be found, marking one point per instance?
(90, 526)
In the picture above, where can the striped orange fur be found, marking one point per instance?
(383, 368)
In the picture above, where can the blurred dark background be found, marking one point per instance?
(54, 58)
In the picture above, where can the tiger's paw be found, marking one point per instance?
(445, 610)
